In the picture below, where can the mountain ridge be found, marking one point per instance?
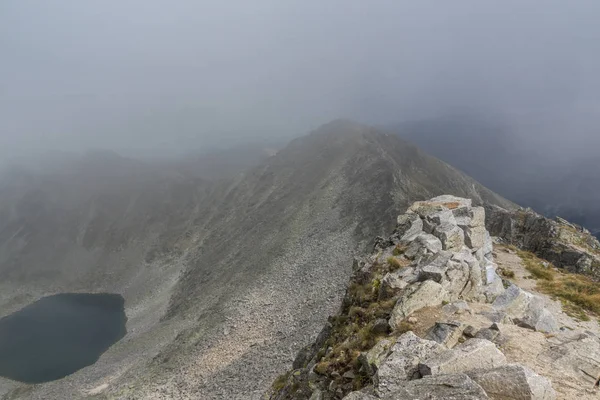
(439, 310)
(204, 266)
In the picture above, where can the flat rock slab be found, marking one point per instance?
(472, 354)
(359, 396)
(514, 382)
(575, 354)
(440, 387)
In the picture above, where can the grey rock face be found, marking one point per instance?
(458, 307)
(487, 333)
(451, 236)
(446, 333)
(402, 364)
(514, 300)
(537, 317)
(408, 227)
(526, 309)
(576, 354)
(426, 294)
(472, 354)
(440, 387)
(475, 237)
(514, 382)
(424, 241)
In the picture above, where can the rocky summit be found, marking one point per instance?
(441, 310)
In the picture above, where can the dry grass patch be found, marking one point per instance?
(578, 293)
(399, 249)
(506, 272)
(579, 290)
(396, 263)
(536, 266)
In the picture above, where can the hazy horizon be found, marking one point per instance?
(148, 77)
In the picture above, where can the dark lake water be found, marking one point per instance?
(58, 335)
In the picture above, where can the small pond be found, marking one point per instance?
(58, 335)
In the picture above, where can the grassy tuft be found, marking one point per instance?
(506, 273)
(395, 263)
(403, 327)
(399, 249)
(281, 381)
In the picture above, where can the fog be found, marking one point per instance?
(163, 77)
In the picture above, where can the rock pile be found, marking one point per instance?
(440, 256)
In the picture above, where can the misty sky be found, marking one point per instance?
(163, 76)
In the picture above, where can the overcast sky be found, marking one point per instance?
(149, 75)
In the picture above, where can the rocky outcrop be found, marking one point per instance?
(438, 261)
(563, 244)
(526, 309)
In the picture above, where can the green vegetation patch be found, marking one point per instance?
(353, 330)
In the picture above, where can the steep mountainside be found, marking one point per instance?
(223, 281)
(437, 312)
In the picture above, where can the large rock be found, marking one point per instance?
(443, 217)
(440, 387)
(475, 237)
(402, 364)
(423, 244)
(526, 309)
(472, 354)
(514, 382)
(513, 301)
(408, 227)
(425, 294)
(446, 333)
(392, 283)
(537, 317)
(451, 236)
(494, 286)
(463, 277)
